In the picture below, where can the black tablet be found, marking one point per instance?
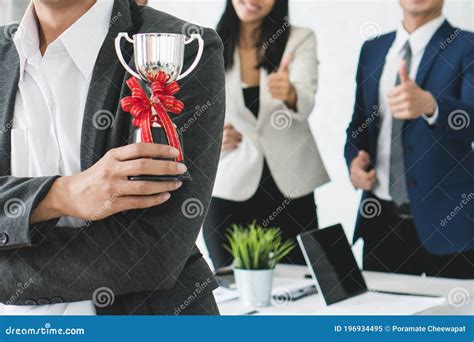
(332, 264)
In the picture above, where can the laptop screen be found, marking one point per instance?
(332, 264)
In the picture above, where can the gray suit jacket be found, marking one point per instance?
(147, 258)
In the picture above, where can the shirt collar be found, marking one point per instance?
(26, 38)
(418, 39)
(82, 40)
(85, 37)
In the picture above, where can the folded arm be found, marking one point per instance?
(130, 251)
(19, 197)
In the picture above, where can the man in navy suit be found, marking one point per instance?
(410, 146)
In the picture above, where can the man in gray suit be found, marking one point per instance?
(135, 243)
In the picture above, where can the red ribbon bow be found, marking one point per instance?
(154, 109)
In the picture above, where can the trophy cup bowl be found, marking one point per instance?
(159, 52)
(154, 53)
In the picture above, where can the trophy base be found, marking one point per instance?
(159, 137)
(164, 178)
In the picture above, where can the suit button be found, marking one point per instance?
(408, 148)
(3, 238)
(411, 183)
(30, 302)
(57, 300)
(43, 301)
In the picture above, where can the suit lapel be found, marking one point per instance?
(432, 50)
(265, 98)
(105, 88)
(9, 69)
(236, 84)
(375, 67)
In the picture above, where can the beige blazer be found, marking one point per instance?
(280, 135)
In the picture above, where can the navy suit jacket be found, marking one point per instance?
(439, 159)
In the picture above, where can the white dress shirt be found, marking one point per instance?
(49, 109)
(419, 39)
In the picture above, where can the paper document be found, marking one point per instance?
(373, 303)
(222, 294)
(281, 284)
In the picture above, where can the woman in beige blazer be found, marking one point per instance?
(270, 164)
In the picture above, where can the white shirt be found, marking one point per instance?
(419, 39)
(49, 110)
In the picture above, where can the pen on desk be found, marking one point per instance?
(305, 292)
(407, 294)
(297, 294)
(253, 312)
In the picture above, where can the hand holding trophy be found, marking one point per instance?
(159, 59)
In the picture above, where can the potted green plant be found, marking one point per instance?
(256, 251)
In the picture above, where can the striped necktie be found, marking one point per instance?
(398, 187)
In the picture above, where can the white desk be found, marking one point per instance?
(375, 281)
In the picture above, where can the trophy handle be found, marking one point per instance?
(198, 56)
(119, 53)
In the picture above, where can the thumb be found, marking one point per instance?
(284, 64)
(404, 77)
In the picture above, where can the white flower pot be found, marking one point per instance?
(254, 286)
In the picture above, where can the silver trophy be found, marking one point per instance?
(156, 52)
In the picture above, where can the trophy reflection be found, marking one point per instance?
(159, 59)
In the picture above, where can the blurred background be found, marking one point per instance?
(341, 28)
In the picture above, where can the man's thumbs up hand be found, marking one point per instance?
(279, 84)
(407, 101)
(403, 72)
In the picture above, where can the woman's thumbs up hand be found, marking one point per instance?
(280, 86)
